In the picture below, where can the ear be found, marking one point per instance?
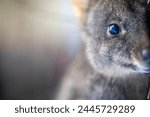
(81, 7)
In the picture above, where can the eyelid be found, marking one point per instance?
(116, 21)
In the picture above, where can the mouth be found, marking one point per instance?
(136, 68)
(142, 70)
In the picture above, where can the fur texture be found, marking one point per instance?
(110, 67)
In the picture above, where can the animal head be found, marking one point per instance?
(116, 33)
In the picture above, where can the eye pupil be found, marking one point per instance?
(114, 29)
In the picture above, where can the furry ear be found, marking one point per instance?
(81, 7)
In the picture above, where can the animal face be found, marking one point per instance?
(116, 33)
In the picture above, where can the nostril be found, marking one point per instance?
(146, 55)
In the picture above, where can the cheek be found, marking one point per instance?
(115, 51)
(104, 50)
(107, 48)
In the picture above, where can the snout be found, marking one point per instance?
(145, 55)
(144, 62)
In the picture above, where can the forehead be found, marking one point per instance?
(120, 5)
(120, 8)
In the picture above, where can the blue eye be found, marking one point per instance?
(113, 29)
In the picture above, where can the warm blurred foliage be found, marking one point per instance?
(38, 39)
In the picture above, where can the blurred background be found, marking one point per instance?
(38, 40)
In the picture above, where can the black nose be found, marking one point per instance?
(146, 55)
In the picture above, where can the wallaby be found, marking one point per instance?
(114, 59)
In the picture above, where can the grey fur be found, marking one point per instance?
(110, 67)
